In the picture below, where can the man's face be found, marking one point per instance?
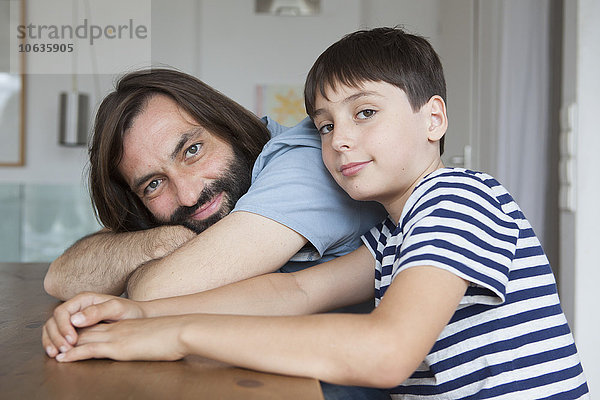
(183, 174)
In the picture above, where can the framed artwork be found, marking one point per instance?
(283, 103)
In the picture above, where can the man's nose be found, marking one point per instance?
(188, 191)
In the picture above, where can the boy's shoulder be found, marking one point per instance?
(458, 175)
(461, 187)
(453, 180)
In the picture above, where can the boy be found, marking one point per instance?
(466, 302)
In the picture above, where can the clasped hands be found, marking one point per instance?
(92, 325)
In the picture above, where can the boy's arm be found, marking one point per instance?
(340, 282)
(101, 262)
(380, 349)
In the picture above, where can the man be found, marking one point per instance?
(196, 192)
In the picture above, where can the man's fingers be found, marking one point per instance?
(49, 347)
(111, 310)
(100, 333)
(84, 352)
(80, 302)
(63, 314)
(52, 339)
(62, 321)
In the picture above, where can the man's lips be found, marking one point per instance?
(208, 208)
(354, 168)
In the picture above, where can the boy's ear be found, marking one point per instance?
(438, 119)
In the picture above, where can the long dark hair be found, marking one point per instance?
(116, 206)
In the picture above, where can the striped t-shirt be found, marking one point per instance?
(508, 338)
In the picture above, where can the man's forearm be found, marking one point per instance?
(239, 246)
(103, 261)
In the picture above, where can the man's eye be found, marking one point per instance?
(325, 129)
(152, 186)
(193, 150)
(365, 114)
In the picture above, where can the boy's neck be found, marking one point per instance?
(396, 206)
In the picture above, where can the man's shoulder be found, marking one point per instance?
(302, 134)
(299, 144)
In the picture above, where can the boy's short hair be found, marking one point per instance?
(389, 55)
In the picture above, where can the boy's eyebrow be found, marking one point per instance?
(351, 98)
(185, 137)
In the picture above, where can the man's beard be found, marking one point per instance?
(234, 183)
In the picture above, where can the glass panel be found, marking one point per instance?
(10, 229)
(54, 217)
(39, 221)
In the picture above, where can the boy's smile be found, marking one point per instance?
(354, 168)
(374, 145)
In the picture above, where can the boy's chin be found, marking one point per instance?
(359, 195)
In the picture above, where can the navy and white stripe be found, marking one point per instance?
(509, 337)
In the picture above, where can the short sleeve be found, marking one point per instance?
(292, 186)
(456, 223)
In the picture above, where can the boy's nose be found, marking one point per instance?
(343, 137)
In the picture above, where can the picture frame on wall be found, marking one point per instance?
(282, 102)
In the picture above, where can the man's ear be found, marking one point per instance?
(438, 119)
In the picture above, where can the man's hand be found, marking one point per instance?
(59, 333)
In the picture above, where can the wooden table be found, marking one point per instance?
(27, 373)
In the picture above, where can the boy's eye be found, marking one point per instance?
(152, 186)
(193, 150)
(365, 114)
(325, 129)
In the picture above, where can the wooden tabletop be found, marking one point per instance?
(27, 373)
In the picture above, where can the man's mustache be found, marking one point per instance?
(182, 213)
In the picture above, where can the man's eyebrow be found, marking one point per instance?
(137, 183)
(350, 98)
(185, 137)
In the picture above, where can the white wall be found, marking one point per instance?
(580, 235)
(240, 49)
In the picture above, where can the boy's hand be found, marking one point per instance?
(151, 339)
(59, 333)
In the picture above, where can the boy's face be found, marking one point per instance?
(374, 145)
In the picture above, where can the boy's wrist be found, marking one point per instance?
(186, 335)
(150, 308)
